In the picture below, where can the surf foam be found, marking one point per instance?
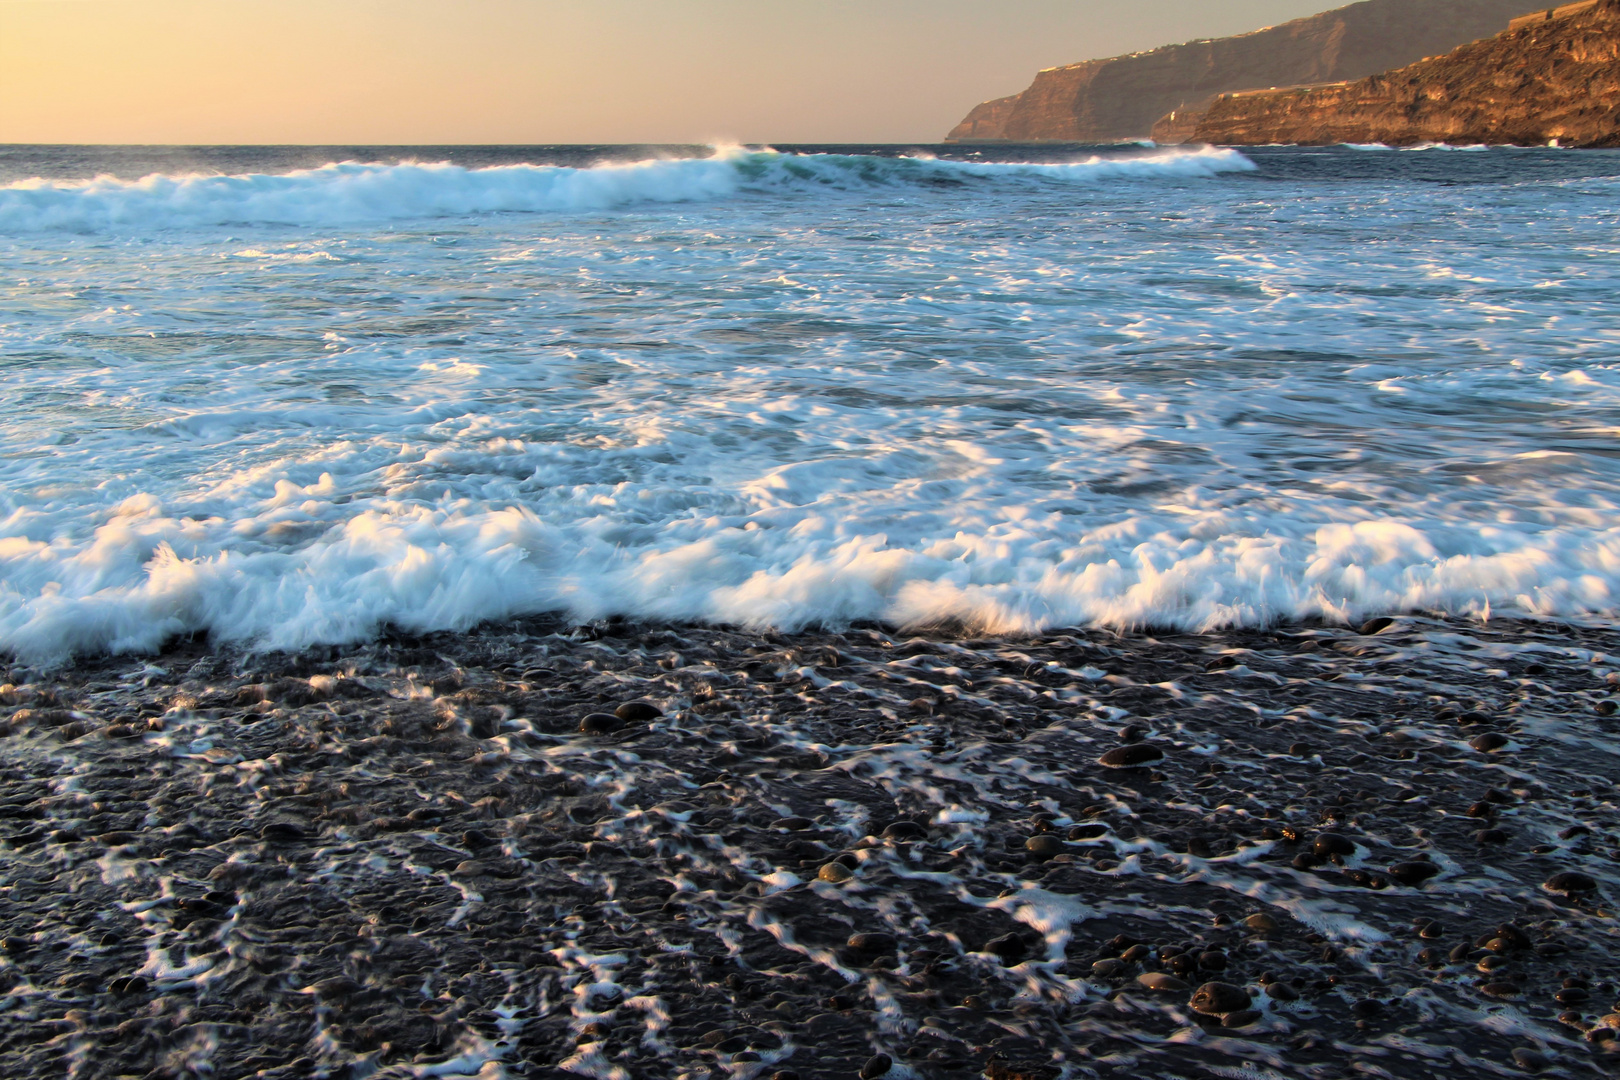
(352, 193)
(991, 398)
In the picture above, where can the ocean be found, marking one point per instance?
(289, 396)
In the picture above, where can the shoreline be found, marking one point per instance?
(365, 860)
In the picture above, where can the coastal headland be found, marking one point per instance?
(1124, 97)
(1549, 78)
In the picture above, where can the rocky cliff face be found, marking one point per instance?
(1555, 77)
(1122, 97)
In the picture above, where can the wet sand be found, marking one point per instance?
(1328, 854)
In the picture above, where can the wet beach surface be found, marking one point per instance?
(1312, 852)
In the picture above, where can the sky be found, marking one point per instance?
(554, 71)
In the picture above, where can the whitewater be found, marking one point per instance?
(996, 390)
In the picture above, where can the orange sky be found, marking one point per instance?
(549, 71)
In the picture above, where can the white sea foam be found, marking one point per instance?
(351, 193)
(1016, 404)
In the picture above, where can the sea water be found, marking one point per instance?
(286, 397)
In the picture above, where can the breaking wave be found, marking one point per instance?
(351, 193)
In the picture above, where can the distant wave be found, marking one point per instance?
(353, 193)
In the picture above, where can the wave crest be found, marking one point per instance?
(351, 193)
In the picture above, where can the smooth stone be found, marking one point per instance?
(1262, 923)
(1010, 948)
(904, 831)
(1218, 999)
(600, 723)
(873, 943)
(835, 872)
(1160, 983)
(1414, 873)
(1281, 991)
(793, 824)
(1329, 844)
(1108, 968)
(1242, 1018)
(281, 832)
(1090, 831)
(876, 1065)
(1044, 845)
(1490, 836)
(1570, 883)
(1511, 937)
(637, 712)
(1131, 756)
(1375, 626)
(1489, 742)
(1530, 1060)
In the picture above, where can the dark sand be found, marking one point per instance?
(377, 860)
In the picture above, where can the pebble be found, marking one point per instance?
(1160, 983)
(1329, 844)
(1490, 836)
(904, 831)
(1108, 968)
(1010, 948)
(1414, 873)
(1570, 883)
(793, 824)
(1218, 999)
(835, 872)
(637, 712)
(1044, 846)
(1261, 923)
(1242, 1018)
(873, 943)
(1131, 756)
(1530, 1060)
(600, 723)
(876, 1065)
(1488, 743)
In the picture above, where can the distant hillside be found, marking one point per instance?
(1556, 76)
(1122, 97)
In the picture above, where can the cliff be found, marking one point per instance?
(1122, 97)
(1555, 76)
